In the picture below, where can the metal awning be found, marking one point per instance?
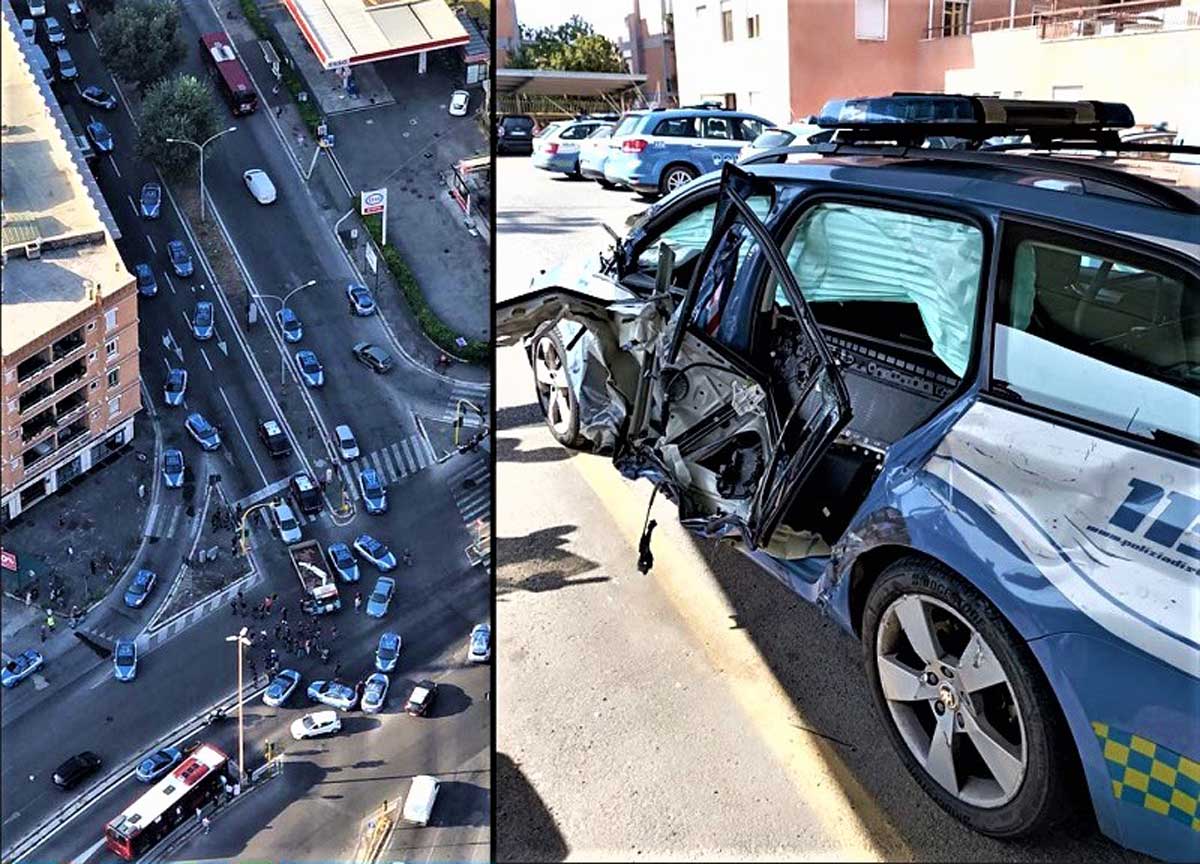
(349, 32)
(550, 82)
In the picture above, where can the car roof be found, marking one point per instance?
(271, 427)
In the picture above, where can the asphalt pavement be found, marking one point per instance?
(699, 711)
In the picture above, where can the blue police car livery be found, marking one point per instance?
(951, 397)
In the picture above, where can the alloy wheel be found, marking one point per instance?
(552, 386)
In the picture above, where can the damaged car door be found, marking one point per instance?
(736, 406)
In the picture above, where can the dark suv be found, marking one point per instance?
(306, 492)
(272, 435)
(514, 134)
(951, 397)
(69, 774)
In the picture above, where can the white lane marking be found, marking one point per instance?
(153, 248)
(120, 94)
(242, 432)
(136, 211)
(170, 284)
(113, 162)
(92, 850)
(206, 363)
(92, 36)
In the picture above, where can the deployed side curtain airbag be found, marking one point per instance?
(844, 252)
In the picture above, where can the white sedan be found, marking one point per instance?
(347, 445)
(285, 520)
(315, 724)
(459, 100)
(260, 186)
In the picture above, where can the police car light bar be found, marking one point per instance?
(911, 117)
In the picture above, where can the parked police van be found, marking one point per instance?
(951, 396)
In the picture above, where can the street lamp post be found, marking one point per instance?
(200, 148)
(283, 305)
(241, 640)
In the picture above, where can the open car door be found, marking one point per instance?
(729, 437)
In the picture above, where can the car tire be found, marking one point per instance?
(549, 356)
(675, 176)
(959, 617)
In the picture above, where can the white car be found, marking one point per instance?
(418, 805)
(346, 442)
(29, 30)
(316, 724)
(459, 100)
(37, 8)
(479, 647)
(285, 520)
(260, 186)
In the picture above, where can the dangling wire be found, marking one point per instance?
(645, 556)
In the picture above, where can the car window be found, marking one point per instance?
(602, 132)
(1099, 334)
(676, 127)
(689, 235)
(747, 129)
(575, 132)
(717, 127)
(627, 124)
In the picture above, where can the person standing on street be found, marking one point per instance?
(357, 601)
(207, 824)
(337, 671)
(43, 632)
(50, 620)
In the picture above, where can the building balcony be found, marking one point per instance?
(73, 432)
(1066, 19)
(39, 424)
(71, 373)
(67, 345)
(31, 366)
(34, 396)
(39, 452)
(66, 409)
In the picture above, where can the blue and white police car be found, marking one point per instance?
(559, 150)
(952, 396)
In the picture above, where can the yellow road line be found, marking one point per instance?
(844, 809)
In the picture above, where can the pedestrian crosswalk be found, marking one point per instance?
(471, 485)
(475, 394)
(392, 462)
(165, 522)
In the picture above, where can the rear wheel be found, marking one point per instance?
(559, 405)
(968, 711)
(674, 177)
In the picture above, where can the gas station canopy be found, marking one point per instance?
(349, 32)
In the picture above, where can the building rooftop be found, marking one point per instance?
(348, 32)
(49, 199)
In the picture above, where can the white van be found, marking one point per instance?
(418, 806)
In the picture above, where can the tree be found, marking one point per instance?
(180, 107)
(570, 47)
(140, 41)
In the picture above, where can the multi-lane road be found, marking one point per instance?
(243, 374)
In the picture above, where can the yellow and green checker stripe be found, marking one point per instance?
(1150, 775)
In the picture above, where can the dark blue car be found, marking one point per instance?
(151, 201)
(146, 283)
(181, 259)
(158, 763)
(139, 589)
(100, 137)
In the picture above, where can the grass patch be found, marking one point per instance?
(442, 335)
(309, 112)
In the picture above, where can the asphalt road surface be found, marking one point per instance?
(699, 711)
(235, 380)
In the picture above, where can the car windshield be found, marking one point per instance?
(309, 722)
(479, 641)
(125, 654)
(310, 363)
(342, 556)
(387, 650)
(371, 482)
(150, 195)
(627, 124)
(378, 597)
(175, 380)
(174, 461)
(287, 523)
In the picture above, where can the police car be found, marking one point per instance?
(559, 150)
(658, 151)
(951, 397)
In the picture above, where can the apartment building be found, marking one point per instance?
(649, 49)
(68, 306)
(784, 59)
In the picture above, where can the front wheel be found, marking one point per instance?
(559, 404)
(966, 707)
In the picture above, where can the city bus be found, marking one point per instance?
(199, 779)
(232, 79)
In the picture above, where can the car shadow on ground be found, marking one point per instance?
(461, 804)
(546, 545)
(525, 830)
(514, 417)
(509, 450)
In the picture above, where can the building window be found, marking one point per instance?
(752, 27)
(955, 15)
(110, 319)
(114, 376)
(870, 20)
(731, 101)
(114, 406)
(726, 25)
(110, 348)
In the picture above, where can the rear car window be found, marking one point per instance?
(773, 138)
(628, 124)
(517, 123)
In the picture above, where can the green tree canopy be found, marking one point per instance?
(571, 47)
(139, 40)
(179, 107)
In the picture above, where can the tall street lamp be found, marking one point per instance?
(283, 305)
(200, 148)
(241, 640)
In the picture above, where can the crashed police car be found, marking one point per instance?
(950, 396)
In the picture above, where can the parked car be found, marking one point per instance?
(99, 97)
(20, 667)
(658, 151)
(281, 687)
(418, 804)
(306, 493)
(260, 186)
(479, 646)
(381, 596)
(66, 65)
(273, 437)
(77, 15)
(343, 561)
(593, 152)
(387, 652)
(420, 701)
(70, 773)
(335, 694)
(514, 134)
(373, 494)
(202, 320)
(158, 763)
(29, 30)
(175, 387)
(316, 724)
(347, 444)
(55, 35)
(360, 299)
(172, 467)
(559, 150)
(375, 551)
(459, 101)
(202, 431)
(289, 324)
(139, 589)
(100, 137)
(147, 285)
(150, 201)
(285, 523)
(37, 8)
(794, 134)
(181, 259)
(374, 693)
(372, 356)
(311, 370)
(962, 431)
(125, 660)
